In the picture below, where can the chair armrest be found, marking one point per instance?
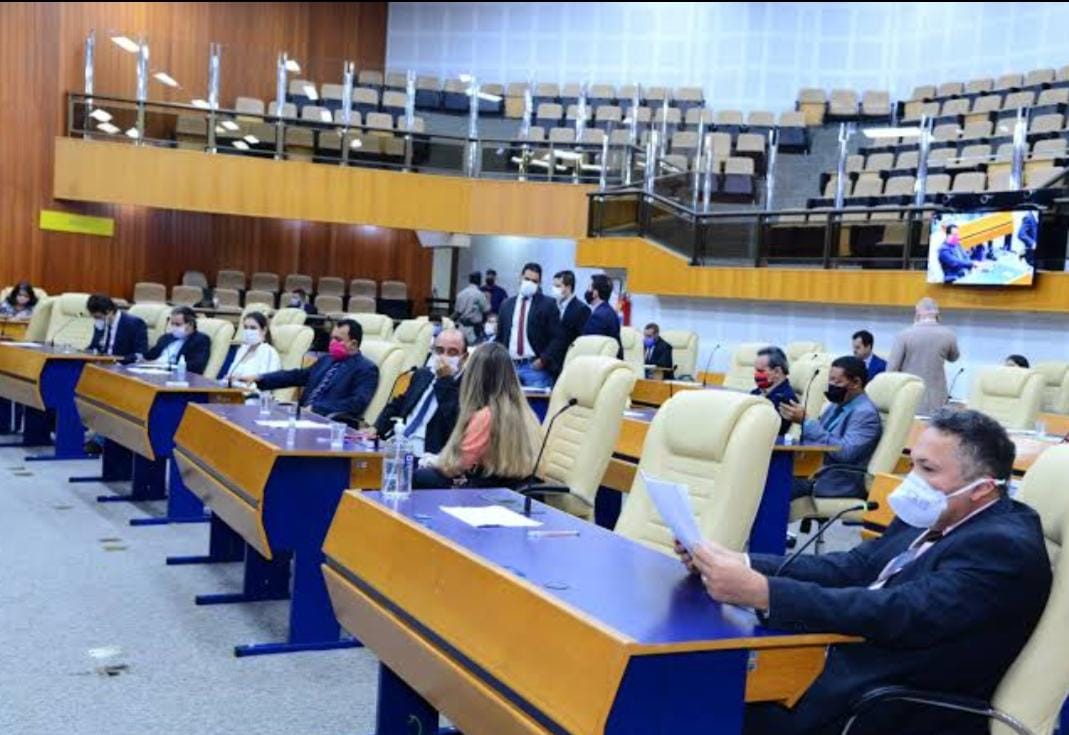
(939, 700)
(541, 490)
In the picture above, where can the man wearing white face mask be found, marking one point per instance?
(256, 355)
(115, 332)
(529, 327)
(182, 340)
(431, 404)
(944, 600)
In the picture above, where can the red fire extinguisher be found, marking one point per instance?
(625, 308)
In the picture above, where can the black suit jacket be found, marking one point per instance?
(660, 355)
(953, 620)
(197, 350)
(446, 391)
(131, 338)
(572, 321)
(543, 329)
(349, 391)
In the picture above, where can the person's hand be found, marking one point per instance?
(538, 364)
(428, 460)
(728, 578)
(684, 556)
(443, 369)
(370, 433)
(793, 411)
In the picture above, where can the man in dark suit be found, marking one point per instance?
(495, 293)
(341, 383)
(851, 422)
(657, 352)
(944, 600)
(431, 404)
(299, 300)
(953, 259)
(183, 340)
(529, 327)
(573, 312)
(116, 332)
(862, 342)
(770, 371)
(603, 318)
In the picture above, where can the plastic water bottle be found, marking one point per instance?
(180, 370)
(398, 463)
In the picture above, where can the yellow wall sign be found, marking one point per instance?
(80, 223)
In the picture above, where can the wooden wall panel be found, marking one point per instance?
(41, 60)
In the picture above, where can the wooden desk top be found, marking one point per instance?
(1029, 446)
(50, 352)
(164, 381)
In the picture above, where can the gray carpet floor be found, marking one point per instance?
(99, 637)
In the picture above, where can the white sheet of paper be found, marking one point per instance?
(23, 344)
(285, 424)
(484, 516)
(634, 414)
(672, 501)
(148, 370)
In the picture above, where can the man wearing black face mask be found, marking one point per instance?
(603, 319)
(851, 422)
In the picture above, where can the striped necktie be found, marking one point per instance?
(901, 561)
(322, 386)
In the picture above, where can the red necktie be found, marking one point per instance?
(522, 327)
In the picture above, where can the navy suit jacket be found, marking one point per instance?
(197, 350)
(573, 320)
(604, 321)
(856, 433)
(131, 338)
(660, 355)
(954, 262)
(952, 621)
(779, 394)
(543, 329)
(446, 392)
(877, 365)
(349, 391)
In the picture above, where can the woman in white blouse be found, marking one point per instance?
(256, 356)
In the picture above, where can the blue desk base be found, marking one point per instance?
(769, 532)
(58, 381)
(224, 546)
(116, 465)
(182, 505)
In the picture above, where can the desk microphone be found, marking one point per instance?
(572, 402)
(953, 382)
(805, 396)
(72, 320)
(708, 364)
(866, 505)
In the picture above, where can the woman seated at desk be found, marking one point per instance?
(19, 302)
(256, 355)
(496, 437)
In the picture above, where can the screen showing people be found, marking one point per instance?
(983, 248)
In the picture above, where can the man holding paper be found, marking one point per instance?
(944, 600)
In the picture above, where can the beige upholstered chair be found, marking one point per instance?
(414, 337)
(41, 320)
(390, 358)
(292, 342)
(360, 304)
(809, 379)
(194, 278)
(797, 350)
(591, 344)
(331, 286)
(896, 396)
(395, 290)
(256, 306)
(1055, 386)
(1033, 689)
(582, 440)
(376, 326)
(220, 332)
(264, 282)
(684, 352)
(70, 323)
(1010, 395)
(298, 280)
(288, 315)
(150, 292)
(186, 295)
(719, 444)
(163, 319)
(230, 279)
(328, 304)
(363, 287)
(151, 314)
(634, 354)
(740, 372)
(256, 296)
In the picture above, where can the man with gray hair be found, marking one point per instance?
(922, 350)
(770, 371)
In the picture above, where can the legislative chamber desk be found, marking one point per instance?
(13, 329)
(42, 378)
(505, 633)
(272, 493)
(137, 409)
(1029, 445)
(769, 532)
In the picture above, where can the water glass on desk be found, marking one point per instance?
(337, 434)
(266, 402)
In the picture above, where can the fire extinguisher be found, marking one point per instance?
(625, 308)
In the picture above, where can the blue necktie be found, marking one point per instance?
(327, 377)
(900, 562)
(833, 419)
(421, 414)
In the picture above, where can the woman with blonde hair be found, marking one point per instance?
(496, 436)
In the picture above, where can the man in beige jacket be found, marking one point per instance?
(921, 350)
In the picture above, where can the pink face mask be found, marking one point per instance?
(953, 238)
(338, 351)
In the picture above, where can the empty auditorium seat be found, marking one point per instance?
(812, 104)
(750, 144)
(627, 94)
(688, 97)
(947, 131)
(297, 280)
(330, 286)
(971, 156)
(289, 110)
(672, 115)
(186, 295)
(959, 106)
(329, 304)
(979, 86)
(262, 281)
(545, 92)
(562, 135)
(300, 144)
(393, 103)
(234, 279)
(1049, 99)
(879, 161)
(249, 108)
(601, 94)
(146, 292)
(907, 160)
(923, 92)
(515, 96)
(1049, 148)
(315, 113)
(738, 177)
(569, 93)
(606, 115)
(876, 104)
(760, 121)
(396, 80)
(361, 304)
(1039, 76)
(937, 184)
(729, 121)
(987, 103)
(1018, 100)
(395, 290)
(363, 287)
(365, 99)
(977, 129)
(1008, 81)
(256, 296)
(949, 89)
(695, 114)
(302, 91)
(369, 77)
(194, 278)
(549, 114)
(1050, 123)
(428, 92)
(330, 95)
(376, 326)
(1037, 177)
(792, 133)
(914, 111)
(842, 104)
(969, 182)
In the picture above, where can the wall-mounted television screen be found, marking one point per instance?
(983, 248)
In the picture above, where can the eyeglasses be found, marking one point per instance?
(449, 351)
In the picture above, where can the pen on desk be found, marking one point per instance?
(552, 534)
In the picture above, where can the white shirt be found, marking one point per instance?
(264, 359)
(562, 306)
(419, 435)
(868, 360)
(111, 330)
(514, 335)
(170, 352)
